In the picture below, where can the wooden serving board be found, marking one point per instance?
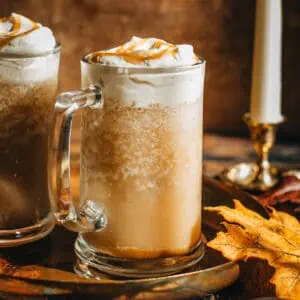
(46, 267)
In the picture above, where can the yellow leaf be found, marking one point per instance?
(276, 240)
(286, 280)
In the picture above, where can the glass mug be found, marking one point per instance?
(28, 87)
(139, 212)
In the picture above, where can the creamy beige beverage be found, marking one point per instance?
(143, 166)
(25, 114)
(28, 84)
(141, 156)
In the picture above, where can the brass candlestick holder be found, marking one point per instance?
(259, 176)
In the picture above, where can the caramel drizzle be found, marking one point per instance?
(6, 38)
(137, 57)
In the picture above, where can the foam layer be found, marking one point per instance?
(142, 89)
(148, 52)
(27, 70)
(22, 36)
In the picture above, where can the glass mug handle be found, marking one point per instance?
(88, 217)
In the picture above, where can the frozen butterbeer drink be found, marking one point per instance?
(141, 159)
(29, 60)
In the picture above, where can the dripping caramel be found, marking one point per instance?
(140, 56)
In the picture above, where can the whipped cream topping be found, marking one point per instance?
(129, 85)
(22, 36)
(148, 52)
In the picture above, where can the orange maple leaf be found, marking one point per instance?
(276, 240)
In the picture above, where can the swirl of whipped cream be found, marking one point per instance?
(22, 36)
(148, 52)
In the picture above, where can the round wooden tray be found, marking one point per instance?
(46, 267)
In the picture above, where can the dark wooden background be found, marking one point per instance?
(220, 30)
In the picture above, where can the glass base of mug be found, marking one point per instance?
(25, 235)
(92, 264)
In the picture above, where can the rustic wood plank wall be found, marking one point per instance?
(220, 30)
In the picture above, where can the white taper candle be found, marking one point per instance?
(266, 77)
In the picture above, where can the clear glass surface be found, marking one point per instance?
(139, 213)
(28, 87)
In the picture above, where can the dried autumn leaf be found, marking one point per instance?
(288, 190)
(276, 240)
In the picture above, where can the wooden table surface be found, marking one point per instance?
(221, 152)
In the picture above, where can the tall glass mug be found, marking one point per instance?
(139, 213)
(28, 88)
